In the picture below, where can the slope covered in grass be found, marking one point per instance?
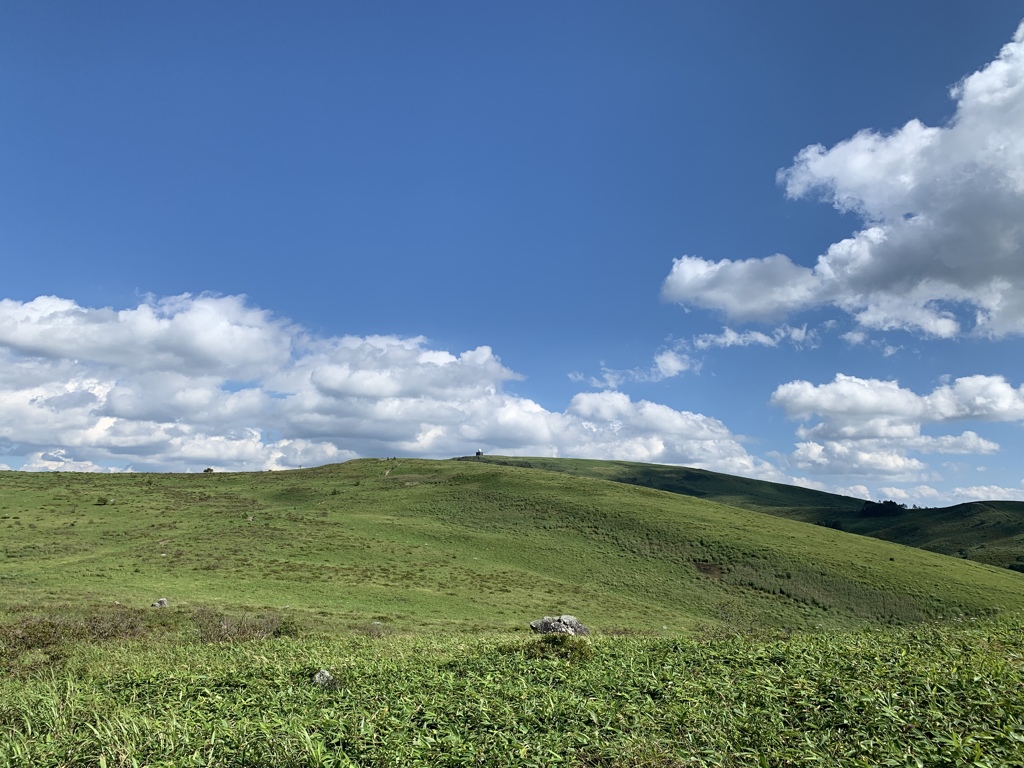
(987, 531)
(436, 545)
(758, 495)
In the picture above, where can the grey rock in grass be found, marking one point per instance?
(161, 603)
(323, 679)
(559, 625)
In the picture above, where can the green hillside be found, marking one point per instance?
(758, 495)
(987, 531)
(410, 583)
(439, 545)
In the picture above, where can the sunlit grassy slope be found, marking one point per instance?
(758, 495)
(987, 531)
(434, 545)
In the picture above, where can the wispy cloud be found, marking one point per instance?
(666, 364)
(799, 337)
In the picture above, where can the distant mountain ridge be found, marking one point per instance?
(989, 532)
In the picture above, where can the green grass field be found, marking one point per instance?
(934, 695)
(721, 636)
(443, 544)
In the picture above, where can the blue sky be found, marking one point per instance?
(782, 240)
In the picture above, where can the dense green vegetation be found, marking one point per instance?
(722, 636)
(934, 695)
(987, 531)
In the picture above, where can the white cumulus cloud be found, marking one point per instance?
(752, 289)
(941, 251)
(862, 426)
(186, 382)
(215, 334)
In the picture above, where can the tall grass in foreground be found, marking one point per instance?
(935, 695)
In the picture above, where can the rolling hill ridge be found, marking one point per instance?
(986, 531)
(423, 545)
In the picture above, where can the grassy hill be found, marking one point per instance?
(436, 545)
(987, 531)
(411, 582)
(757, 495)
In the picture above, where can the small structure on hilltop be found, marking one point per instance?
(479, 453)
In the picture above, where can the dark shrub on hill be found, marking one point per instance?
(888, 508)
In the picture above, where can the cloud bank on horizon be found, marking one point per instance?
(183, 382)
